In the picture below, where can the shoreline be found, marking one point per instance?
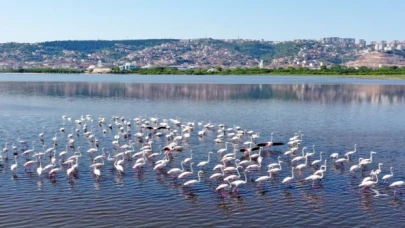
(389, 73)
(387, 77)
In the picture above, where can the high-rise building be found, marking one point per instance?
(362, 43)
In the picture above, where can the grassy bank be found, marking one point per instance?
(362, 72)
(44, 70)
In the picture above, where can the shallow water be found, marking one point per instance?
(332, 113)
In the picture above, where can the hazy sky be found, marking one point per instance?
(44, 20)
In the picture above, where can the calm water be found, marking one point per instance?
(332, 113)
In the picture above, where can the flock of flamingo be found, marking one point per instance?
(151, 143)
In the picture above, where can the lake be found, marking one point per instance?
(332, 113)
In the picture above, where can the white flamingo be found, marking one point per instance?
(289, 179)
(388, 176)
(238, 183)
(350, 153)
(396, 185)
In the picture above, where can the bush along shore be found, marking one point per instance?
(334, 70)
(337, 70)
(44, 70)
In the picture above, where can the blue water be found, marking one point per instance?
(332, 113)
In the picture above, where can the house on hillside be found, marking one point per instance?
(128, 66)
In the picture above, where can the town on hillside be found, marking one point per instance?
(101, 55)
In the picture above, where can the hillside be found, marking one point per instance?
(377, 59)
(188, 53)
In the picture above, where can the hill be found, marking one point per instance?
(186, 53)
(377, 59)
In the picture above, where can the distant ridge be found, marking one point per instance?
(181, 53)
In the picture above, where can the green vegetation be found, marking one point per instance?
(383, 72)
(90, 46)
(261, 50)
(44, 70)
(334, 70)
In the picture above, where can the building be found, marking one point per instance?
(261, 64)
(330, 40)
(347, 41)
(127, 66)
(362, 43)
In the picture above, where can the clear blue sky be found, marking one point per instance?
(45, 20)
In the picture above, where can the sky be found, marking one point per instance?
(272, 20)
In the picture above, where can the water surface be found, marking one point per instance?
(332, 113)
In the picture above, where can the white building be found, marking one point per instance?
(127, 66)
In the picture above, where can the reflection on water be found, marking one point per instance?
(380, 94)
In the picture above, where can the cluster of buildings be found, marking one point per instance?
(391, 46)
(198, 53)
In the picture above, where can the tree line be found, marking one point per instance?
(44, 70)
(334, 70)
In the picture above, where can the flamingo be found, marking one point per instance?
(186, 173)
(275, 170)
(217, 175)
(262, 179)
(224, 186)
(301, 166)
(371, 177)
(96, 172)
(354, 168)
(368, 183)
(273, 165)
(365, 162)
(27, 152)
(118, 167)
(270, 143)
(300, 157)
(204, 163)
(238, 183)
(350, 153)
(315, 177)
(289, 179)
(55, 170)
(321, 169)
(63, 153)
(39, 169)
(232, 177)
(139, 165)
(316, 162)
(388, 176)
(186, 160)
(220, 151)
(176, 171)
(378, 171)
(313, 151)
(28, 164)
(13, 167)
(334, 156)
(193, 182)
(341, 160)
(255, 166)
(397, 184)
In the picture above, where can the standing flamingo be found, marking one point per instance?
(388, 176)
(204, 163)
(238, 183)
(397, 184)
(13, 167)
(193, 182)
(289, 179)
(350, 153)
